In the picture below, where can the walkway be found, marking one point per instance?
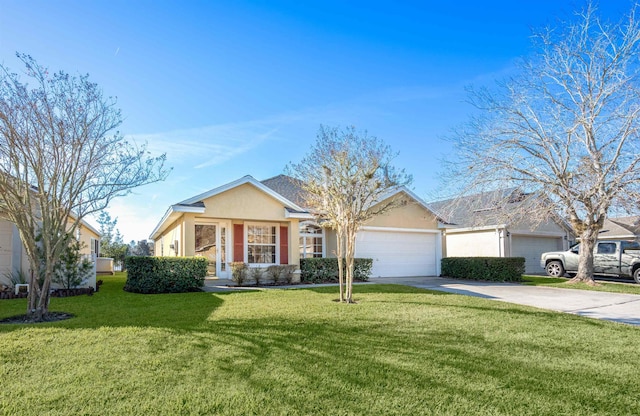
(616, 307)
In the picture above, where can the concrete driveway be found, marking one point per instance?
(600, 305)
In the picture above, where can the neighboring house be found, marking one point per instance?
(621, 228)
(14, 259)
(495, 224)
(266, 223)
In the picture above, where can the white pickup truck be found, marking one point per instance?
(610, 258)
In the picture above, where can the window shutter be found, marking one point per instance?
(238, 242)
(284, 245)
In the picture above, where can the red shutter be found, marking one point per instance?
(238, 242)
(284, 245)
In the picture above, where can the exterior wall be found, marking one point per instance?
(244, 202)
(162, 245)
(486, 243)
(411, 215)
(241, 205)
(87, 237)
(14, 258)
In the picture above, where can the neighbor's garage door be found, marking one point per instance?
(397, 253)
(6, 235)
(531, 248)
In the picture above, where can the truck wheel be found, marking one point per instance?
(636, 275)
(555, 269)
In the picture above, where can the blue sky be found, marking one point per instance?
(234, 88)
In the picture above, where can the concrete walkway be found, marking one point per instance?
(616, 307)
(600, 305)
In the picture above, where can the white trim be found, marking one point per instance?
(402, 230)
(246, 241)
(298, 215)
(538, 234)
(174, 209)
(412, 195)
(472, 229)
(238, 182)
(307, 235)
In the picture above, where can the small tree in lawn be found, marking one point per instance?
(72, 269)
(347, 177)
(111, 241)
(60, 160)
(566, 125)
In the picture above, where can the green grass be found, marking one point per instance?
(400, 350)
(562, 282)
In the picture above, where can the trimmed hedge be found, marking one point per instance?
(496, 269)
(319, 270)
(165, 274)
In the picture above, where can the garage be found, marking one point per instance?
(400, 252)
(6, 245)
(531, 247)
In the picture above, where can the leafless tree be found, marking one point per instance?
(60, 160)
(566, 126)
(348, 179)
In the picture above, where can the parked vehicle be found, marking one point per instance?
(610, 258)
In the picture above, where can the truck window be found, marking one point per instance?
(630, 245)
(606, 248)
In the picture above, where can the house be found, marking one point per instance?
(620, 228)
(266, 223)
(495, 224)
(14, 258)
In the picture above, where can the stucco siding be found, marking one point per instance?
(474, 244)
(411, 215)
(244, 202)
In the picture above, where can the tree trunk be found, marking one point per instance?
(339, 255)
(588, 240)
(349, 253)
(38, 298)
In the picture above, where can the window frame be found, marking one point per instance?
(277, 242)
(304, 236)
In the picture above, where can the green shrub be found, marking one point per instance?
(165, 274)
(256, 274)
(274, 273)
(287, 272)
(497, 269)
(239, 272)
(319, 270)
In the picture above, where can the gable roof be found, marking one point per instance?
(288, 187)
(498, 208)
(196, 204)
(480, 209)
(622, 227)
(292, 189)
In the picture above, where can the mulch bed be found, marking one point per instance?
(24, 319)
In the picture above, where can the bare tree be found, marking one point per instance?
(348, 179)
(566, 126)
(60, 160)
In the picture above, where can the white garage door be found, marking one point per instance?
(399, 254)
(531, 248)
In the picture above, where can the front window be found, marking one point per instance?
(310, 241)
(261, 244)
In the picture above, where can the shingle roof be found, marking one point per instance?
(487, 208)
(288, 187)
(622, 227)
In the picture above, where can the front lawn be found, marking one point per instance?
(400, 350)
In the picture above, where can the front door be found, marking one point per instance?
(211, 243)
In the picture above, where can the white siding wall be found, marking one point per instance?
(473, 244)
